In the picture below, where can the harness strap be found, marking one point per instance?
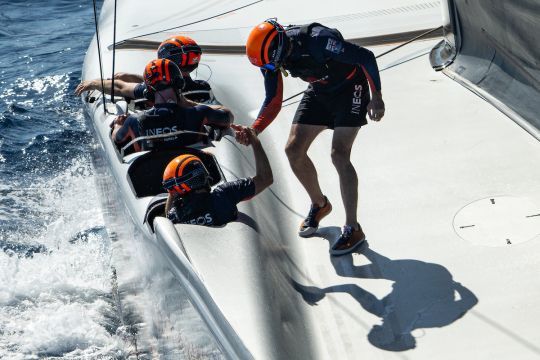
(160, 136)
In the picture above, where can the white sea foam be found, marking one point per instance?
(62, 302)
(2, 158)
(52, 303)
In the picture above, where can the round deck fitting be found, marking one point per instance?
(498, 221)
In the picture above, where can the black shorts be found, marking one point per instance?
(344, 107)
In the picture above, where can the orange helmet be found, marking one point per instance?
(183, 50)
(162, 74)
(266, 45)
(185, 173)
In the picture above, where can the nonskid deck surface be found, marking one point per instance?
(423, 287)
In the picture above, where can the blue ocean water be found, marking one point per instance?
(41, 130)
(63, 291)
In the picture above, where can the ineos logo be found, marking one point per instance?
(201, 220)
(357, 99)
(162, 130)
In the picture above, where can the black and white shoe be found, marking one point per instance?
(349, 240)
(311, 223)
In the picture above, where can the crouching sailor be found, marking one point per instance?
(171, 113)
(191, 201)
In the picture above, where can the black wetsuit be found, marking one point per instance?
(215, 208)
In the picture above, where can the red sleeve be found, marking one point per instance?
(273, 86)
(372, 85)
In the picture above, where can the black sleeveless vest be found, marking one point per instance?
(300, 63)
(174, 120)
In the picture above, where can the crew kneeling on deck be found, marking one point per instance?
(171, 113)
(191, 201)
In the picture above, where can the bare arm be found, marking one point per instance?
(121, 88)
(169, 203)
(263, 177)
(128, 77)
(116, 128)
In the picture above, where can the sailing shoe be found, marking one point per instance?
(349, 240)
(316, 214)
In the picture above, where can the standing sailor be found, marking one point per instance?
(338, 73)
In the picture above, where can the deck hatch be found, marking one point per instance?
(498, 221)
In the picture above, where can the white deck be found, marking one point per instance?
(438, 149)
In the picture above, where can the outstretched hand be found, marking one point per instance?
(84, 86)
(244, 135)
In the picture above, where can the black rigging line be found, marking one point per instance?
(113, 53)
(99, 56)
(384, 53)
(410, 41)
(195, 22)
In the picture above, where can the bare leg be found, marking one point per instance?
(342, 142)
(300, 139)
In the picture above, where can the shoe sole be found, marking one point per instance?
(308, 231)
(347, 251)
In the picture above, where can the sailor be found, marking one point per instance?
(337, 97)
(171, 112)
(182, 50)
(190, 199)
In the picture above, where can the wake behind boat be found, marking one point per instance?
(450, 217)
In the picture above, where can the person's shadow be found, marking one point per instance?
(424, 295)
